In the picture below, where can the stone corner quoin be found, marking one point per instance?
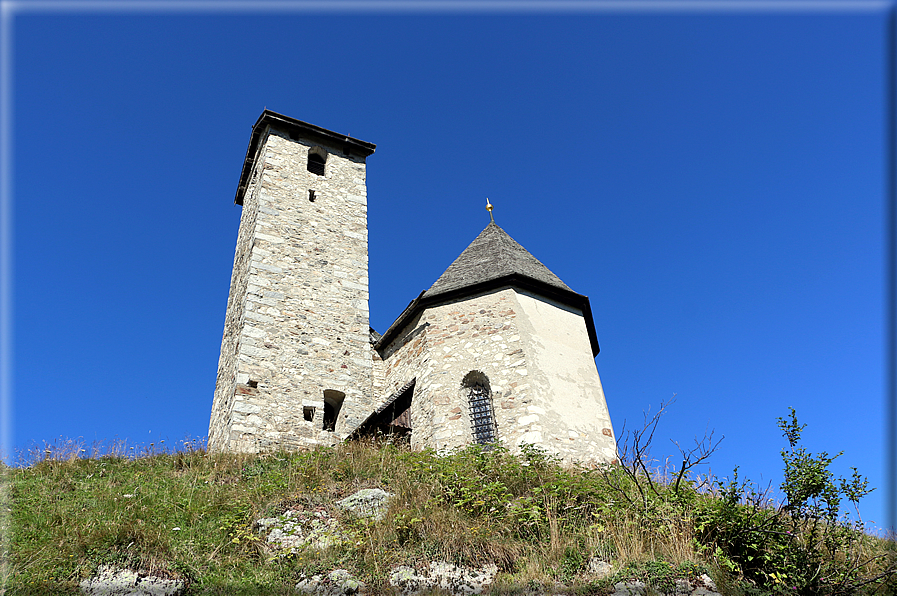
(497, 350)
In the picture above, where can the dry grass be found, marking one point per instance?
(190, 515)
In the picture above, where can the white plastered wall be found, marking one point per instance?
(569, 411)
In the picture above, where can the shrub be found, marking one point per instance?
(802, 546)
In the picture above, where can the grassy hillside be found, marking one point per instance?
(191, 515)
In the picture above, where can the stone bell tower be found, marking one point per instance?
(295, 364)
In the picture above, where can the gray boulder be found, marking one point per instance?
(631, 588)
(706, 587)
(368, 502)
(599, 568)
(296, 529)
(708, 582)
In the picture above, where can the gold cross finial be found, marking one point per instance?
(489, 209)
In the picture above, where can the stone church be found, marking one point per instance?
(498, 349)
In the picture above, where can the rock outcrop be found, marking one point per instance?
(112, 581)
(368, 502)
(338, 582)
(704, 587)
(444, 576)
(295, 529)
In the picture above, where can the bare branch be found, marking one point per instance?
(702, 450)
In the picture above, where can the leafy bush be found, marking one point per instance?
(802, 546)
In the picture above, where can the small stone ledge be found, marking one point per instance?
(296, 529)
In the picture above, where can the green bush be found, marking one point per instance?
(803, 546)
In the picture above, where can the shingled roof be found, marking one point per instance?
(493, 260)
(492, 255)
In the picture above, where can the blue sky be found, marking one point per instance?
(713, 180)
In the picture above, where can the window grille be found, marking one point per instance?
(316, 164)
(482, 418)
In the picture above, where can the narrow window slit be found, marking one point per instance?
(333, 402)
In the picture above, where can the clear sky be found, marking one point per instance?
(713, 180)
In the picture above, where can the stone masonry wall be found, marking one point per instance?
(404, 359)
(226, 382)
(494, 333)
(378, 375)
(476, 334)
(439, 348)
(303, 326)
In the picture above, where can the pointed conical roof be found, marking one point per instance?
(493, 260)
(492, 255)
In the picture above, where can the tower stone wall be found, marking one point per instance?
(296, 343)
(228, 395)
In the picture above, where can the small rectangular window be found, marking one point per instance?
(308, 412)
(315, 164)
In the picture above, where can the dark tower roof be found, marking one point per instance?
(494, 260)
(492, 255)
(302, 130)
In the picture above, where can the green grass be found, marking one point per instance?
(190, 515)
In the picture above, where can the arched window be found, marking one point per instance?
(479, 400)
(316, 163)
(333, 401)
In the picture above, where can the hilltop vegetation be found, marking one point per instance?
(191, 515)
